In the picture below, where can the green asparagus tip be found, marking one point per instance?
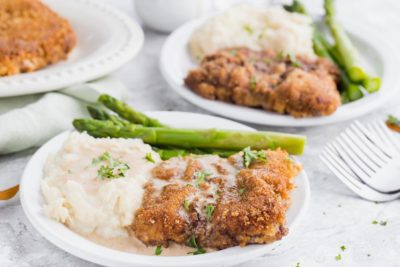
(354, 92)
(126, 112)
(97, 113)
(92, 126)
(372, 84)
(344, 98)
(357, 74)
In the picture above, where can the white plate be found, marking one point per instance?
(61, 236)
(106, 40)
(376, 55)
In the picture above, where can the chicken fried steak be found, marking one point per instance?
(219, 202)
(31, 36)
(301, 87)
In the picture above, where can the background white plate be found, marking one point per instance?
(106, 40)
(375, 54)
(61, 236)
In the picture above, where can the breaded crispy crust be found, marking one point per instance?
(31, 36)
(301, 87)
(248, 204)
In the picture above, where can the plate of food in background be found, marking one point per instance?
(276, 66)
(48, 45)
(165, 188)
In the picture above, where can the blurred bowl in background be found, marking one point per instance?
(166, 16)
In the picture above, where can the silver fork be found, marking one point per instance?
(365, 159)
(374, 156)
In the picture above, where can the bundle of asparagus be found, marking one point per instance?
(352, 77)
(126, 122)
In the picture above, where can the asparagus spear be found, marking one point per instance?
(347, 54)
(350, 90)
(127, 112)
(101, 114)
(165, 153)
(194, 138)
(346, 51)
(170, 153)
(98, 113)
(372, 84)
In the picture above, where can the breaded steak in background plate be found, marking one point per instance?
(31, 36)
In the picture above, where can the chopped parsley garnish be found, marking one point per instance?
(393, 120)
(294, 61)
(209, 211)
(298, 264)
(200, 177)
(242, 191)
(250, 156)
(191, 242)
(281, 55)
(158, 250)
(343, 248)
(186, 204)
(104, 157)
(253, 83)
(338, 257)
(296, 64)
(149, 157)
(112, 169)
(382, 223)
(248, 29)
(117, 170)
(198, 251)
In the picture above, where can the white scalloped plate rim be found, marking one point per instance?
(87, 67)
(62, 237)
(375, 52)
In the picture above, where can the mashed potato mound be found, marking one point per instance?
(255, 28)
(88, 204)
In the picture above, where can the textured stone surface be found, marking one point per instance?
(335, 217)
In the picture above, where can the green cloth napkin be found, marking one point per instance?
(29, 121)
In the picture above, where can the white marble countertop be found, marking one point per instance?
(335, 216)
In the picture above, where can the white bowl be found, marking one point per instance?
(64, 238)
